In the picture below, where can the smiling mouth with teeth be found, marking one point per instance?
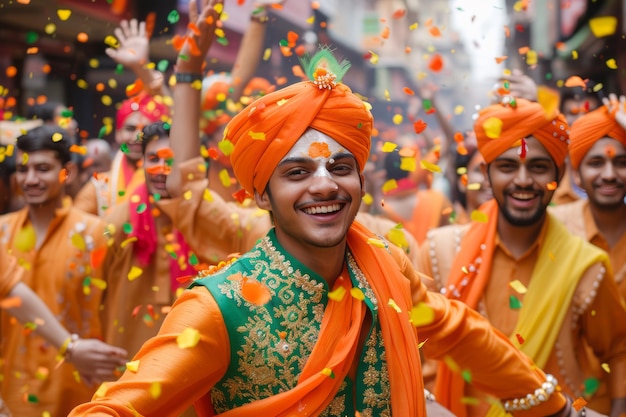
(322, 209)
(523, 196)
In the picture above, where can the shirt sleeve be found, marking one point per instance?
(170, 376)
(603, 325)
(460, 334)
(87, 199)
(10, 273)
(213, 228)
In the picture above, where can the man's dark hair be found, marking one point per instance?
(154, 131)
(7, 168)
(44, 111)
(392, 166)
(46, 138)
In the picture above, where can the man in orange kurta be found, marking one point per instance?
(110, 188)
(598, 159)
(60, 249)
(549, 291)
(320, 305)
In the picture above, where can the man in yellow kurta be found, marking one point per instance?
(314, 320)
(551, 292)
(61, 250)
(598, 158)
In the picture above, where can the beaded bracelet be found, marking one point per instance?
(540, 395)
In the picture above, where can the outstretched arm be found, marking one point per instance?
(133, 53)
(95, 360)
(185, 132)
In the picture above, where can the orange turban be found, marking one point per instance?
(590, 128)
(499, 127)
(265, 131)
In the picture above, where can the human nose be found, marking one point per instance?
(323, 184)
(523, 177)
(608, 171)
(31, 177)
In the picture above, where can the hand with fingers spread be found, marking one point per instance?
(200, 35)
(134, 48)
(95, 360)
(520, 85)
(617, 106)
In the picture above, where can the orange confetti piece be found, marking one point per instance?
(241, 195)
(523, 50)
(298, 72)
(579, 403)
(399, 13)
(501, 59)
(575, 81)
(10, 302)
(178, 42)
(520, 339)
(507, 31)
(97, 257)
(420, 126)
(385, 33)
(434, 32)
(458, 137)
(192, 26)
(319, 150)
(255, 292)
(436, 63)
(165, 153)
(408, 91)
(63, 175)
(552, 186)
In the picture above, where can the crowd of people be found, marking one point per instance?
(270, 258)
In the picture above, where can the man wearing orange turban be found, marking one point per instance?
(598, 156)
(549, 291)
(321, 316)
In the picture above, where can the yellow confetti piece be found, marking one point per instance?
(373, 58)
(408, 164)
(429, 166)
(606, 368)
(479, 216)
(549, 100)
(76, 376)
(390, 185)
(128, 241)
(574, 54)
(134, 273)
(611, 63)
(225, 178)
(391, 303)
(64, 14)
(42, 373)
(459, 110)
(603, 26)
(226, 147)
(155, 390)
(25, 239)
(78, 241)
(267, 54)
(24, 158)
(50, 28)
(207, 196)
(413, 26)
(102, 390)
(257, 135)
(337, 294)
(518, 286)
(492, 127)
(111, 41)
(397, 119)
(597, 87)
(531, 57)
(389, 147)
(328, 372)
(367, 199)
(398, 238)
(106, 100)
(357, 294)
(188, 338)
(376, 242)
(422, 315)
(99, 283)
(187, 195)
(470, 400)
(474, 186)
(56, 137)
(132, 366)
(450, 363)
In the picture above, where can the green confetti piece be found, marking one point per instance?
(128, 228)
(141, 208)
(452, 217)
(591, 386)
(514, 303)
(156, 196)
(162, 65)
(183, 57)
(428, 104)
(119, 69)
(121, 193)
(102, 133)
(173, 17)
(31, 37)
(222, 41)
(67, 113)
(506, 85)
(87, 282)
(32, 398)
(124, 148)
(283, 42)
(173, 255)
(169, 162)
(549, 76)
(467, 376)
(193, 259)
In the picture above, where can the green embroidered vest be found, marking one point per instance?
(271, 343)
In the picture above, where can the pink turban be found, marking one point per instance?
(265, 131)
(499, 127)
(146, 104)
(591, 127)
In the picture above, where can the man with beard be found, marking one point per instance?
(598, 157)
(551, 292)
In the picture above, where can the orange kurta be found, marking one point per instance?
(578, 219)
(60, 273)
(10, 275)
(594, 320)
(188, 375)
(100, 194)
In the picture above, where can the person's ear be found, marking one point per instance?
(71, 172)
(484, 168)
(576, 177)
(362, 177)
(262, 200)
